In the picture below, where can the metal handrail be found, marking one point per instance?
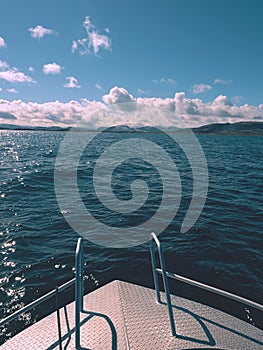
(213, 289)
(78, 289)
(162, 271)
(165, 280)
(78, 280)
(36, 302)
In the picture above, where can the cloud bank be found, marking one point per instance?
(193, 112)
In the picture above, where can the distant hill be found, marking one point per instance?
(36, 128)
(240, 128)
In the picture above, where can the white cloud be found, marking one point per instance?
(117, 95)
(52, 68)
(238, 99)
(194, 112)
(2, 42)
(87, 24)
(1, 89)
(31, 69)
(97, 41)
(13, 75)
(223, 100)
(38, 32)
(98, 86)
(72, 83)
(221, 81)
(143, 92)
(12, 91)
(81, 45)
(49, 113)
(200, 88)
(94, 41)
(3, 65)
(164, 81)
(170, 81)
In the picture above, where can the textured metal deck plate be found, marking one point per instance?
(124, 316)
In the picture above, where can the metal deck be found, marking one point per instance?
(124, 316)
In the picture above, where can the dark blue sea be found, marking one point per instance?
(223, 248)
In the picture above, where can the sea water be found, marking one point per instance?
(223, 248)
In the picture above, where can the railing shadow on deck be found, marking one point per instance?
(200, 319)
(210, 340)
(67, 336)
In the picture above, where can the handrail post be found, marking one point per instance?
(165, 280)
(78, 290)
(155, 275)
(58, 320)
(82, 279)
(79, 296)
(167, 291)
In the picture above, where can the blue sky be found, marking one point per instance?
(202, 59)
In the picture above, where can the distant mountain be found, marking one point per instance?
(240, 128)
(19, 127)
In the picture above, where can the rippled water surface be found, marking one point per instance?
(223, 248)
